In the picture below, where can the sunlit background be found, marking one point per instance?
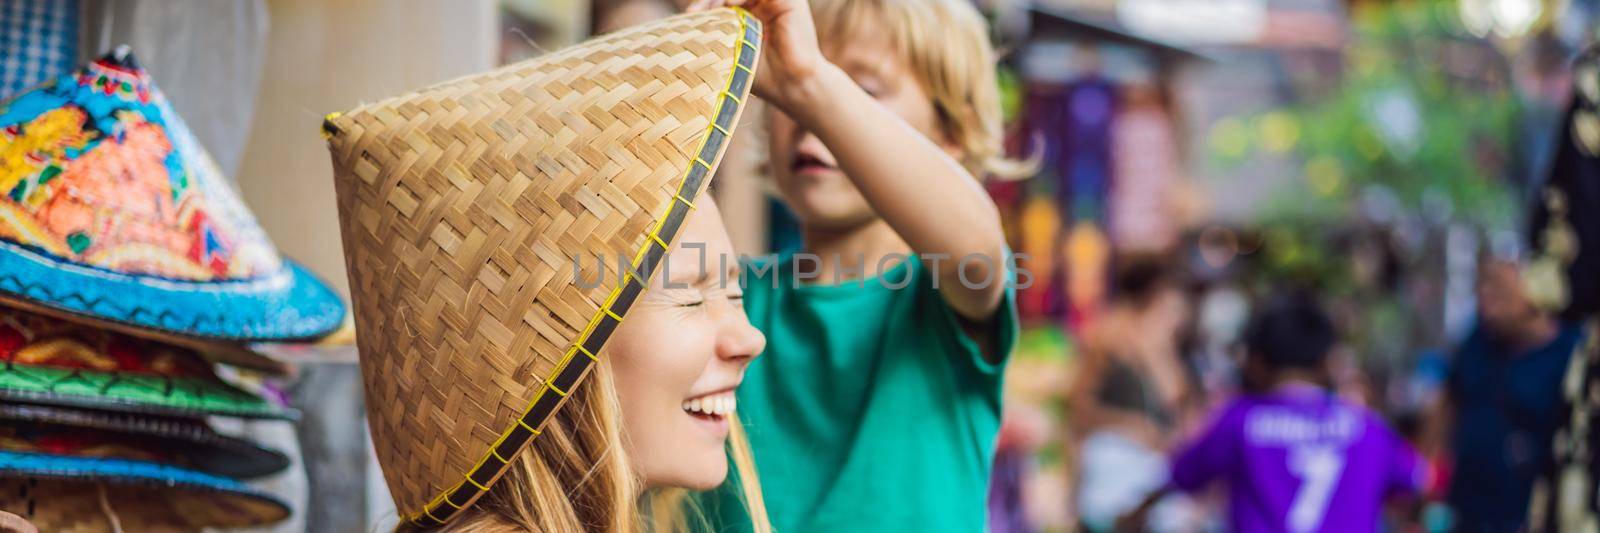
(1368, 148)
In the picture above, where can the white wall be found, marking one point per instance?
(325, 56)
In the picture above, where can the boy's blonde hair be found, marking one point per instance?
(946, 44)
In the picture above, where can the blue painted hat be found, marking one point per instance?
(190, 442)
(71, 493)
(110, 210)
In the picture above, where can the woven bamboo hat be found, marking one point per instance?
(463, 207)
(111, 211)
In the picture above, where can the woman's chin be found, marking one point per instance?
(707, 476)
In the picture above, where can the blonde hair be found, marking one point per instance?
(576, 477)
(946, 44)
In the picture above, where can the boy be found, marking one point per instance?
(877, 406)
(1295, 457)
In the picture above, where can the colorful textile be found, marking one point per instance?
(58, 362)
(110, 208)
(203, 494)
(185, 442)
(1300, 460)
(74, 442)
(38, 40)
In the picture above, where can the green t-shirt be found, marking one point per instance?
(870, 409)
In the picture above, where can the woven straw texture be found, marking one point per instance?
(463, 207)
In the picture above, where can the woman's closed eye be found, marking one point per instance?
(697, 301)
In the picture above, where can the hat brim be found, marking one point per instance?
(264, 357)
(287, 306)
(193, 498)
(201, 447)
(136, 393)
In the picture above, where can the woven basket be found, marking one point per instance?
(463, 206)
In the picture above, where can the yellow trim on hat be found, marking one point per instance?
(652, 237)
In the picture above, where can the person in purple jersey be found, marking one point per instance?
(1294, 456)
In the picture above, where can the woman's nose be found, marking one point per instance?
(738, 340)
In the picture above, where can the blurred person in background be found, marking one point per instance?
(1295, 456)
(1130, 394)
(1501, 402)
(1564, 269)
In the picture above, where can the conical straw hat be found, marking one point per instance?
(111, 211)
(463, 206)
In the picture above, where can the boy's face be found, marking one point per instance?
(807, 174)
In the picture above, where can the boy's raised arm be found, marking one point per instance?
(918, 188)
(915, 185)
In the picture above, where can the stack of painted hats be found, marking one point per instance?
(128, 266)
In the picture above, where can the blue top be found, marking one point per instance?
(1507, 409)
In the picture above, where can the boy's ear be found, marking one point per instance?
(955, 151)
(948, 144)
(947, 137)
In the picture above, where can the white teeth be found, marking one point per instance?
(719, 404)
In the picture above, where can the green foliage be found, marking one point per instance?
(1422, 115)
(1420, 110)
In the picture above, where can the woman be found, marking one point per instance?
(669, 405)
(1130, 393)
(513, 382)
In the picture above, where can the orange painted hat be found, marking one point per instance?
(111, 211)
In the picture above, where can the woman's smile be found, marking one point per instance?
(711, 411)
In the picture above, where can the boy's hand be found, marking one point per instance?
(912, 181)
(791, 58)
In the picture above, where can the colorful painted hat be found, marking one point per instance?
(68, 493)
(462, 207)
(56, 362)
(110, 210)
(186, 442)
